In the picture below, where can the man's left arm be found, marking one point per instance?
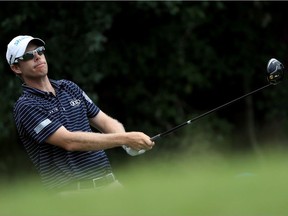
(106, 124)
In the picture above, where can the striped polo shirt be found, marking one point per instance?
(39, 114)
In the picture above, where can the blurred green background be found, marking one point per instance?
(203, 185)
(153, 65)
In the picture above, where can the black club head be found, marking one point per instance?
(275, 71)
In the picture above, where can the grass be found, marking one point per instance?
(199, 185)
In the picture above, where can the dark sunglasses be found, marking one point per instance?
(30, 55)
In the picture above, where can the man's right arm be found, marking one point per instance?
(90, 141)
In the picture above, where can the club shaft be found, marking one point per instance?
(206, 113)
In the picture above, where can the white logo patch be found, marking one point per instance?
(42, 125)
(87, 98)
(75, 102)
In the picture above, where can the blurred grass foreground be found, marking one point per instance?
(202, 185)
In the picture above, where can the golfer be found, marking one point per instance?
(54, 119)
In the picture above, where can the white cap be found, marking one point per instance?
(18, 45)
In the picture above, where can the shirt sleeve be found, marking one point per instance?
(92, 109)
(34, 122)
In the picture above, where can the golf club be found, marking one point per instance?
(275, 74)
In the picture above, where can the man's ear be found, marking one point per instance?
(16, 69)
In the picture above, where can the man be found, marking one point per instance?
(53, 119)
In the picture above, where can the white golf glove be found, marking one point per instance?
(133, 152)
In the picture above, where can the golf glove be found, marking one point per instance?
(133, 152)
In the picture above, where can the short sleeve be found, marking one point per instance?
(34, 122)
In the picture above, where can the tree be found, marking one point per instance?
(153, 65)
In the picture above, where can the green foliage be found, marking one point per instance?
(154, 64)
(188, 184)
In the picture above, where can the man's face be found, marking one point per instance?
(34, 68)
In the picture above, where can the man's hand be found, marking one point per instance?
(139, 143)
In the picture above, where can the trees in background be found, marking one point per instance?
(153, 65)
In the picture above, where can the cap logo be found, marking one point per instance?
(19, 40)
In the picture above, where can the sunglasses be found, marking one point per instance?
(30, 55)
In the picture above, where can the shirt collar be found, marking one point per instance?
(57, 84)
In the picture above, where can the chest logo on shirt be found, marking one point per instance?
(75, 102)
(54, 110)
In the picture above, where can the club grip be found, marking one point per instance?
(155, 137)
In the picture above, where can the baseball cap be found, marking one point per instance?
(18, 45)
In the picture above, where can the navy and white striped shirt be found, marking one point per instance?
(39, 114)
